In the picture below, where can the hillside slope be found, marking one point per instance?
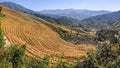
(17, 7)
(51, 18)
(103, 21)
(21, 28)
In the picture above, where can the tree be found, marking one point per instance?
(16, 55)
(107, 35)
(2, 41)
(107, 56)
(39, 63)
(0, 9)
(62, 64)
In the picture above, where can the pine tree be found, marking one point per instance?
(16, 55)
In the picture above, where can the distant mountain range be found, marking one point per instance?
(51, 18)
(103, 21)
(89, 18)
(75, 13)
(79, 14)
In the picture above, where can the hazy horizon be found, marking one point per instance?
(74, 9)
(38, 5)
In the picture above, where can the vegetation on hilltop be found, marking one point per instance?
(61, 20)
(75, 38)
(110, 36)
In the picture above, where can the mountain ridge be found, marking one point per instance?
(17, 7)
(51, 18)
(102, 21)
(75, 13)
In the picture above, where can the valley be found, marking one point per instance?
(58, 38)
(21, 28)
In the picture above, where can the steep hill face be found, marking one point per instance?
(17, 7)
(41, 40)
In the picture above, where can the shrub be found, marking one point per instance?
(2, 41)
(15, 55)
(107, 56)
(39, 63)
(0, 9)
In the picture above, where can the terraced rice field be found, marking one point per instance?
(21, 28)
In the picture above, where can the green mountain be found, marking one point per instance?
(103, 21)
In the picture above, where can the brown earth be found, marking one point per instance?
(21, 28)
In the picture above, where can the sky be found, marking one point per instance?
(38, 5)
